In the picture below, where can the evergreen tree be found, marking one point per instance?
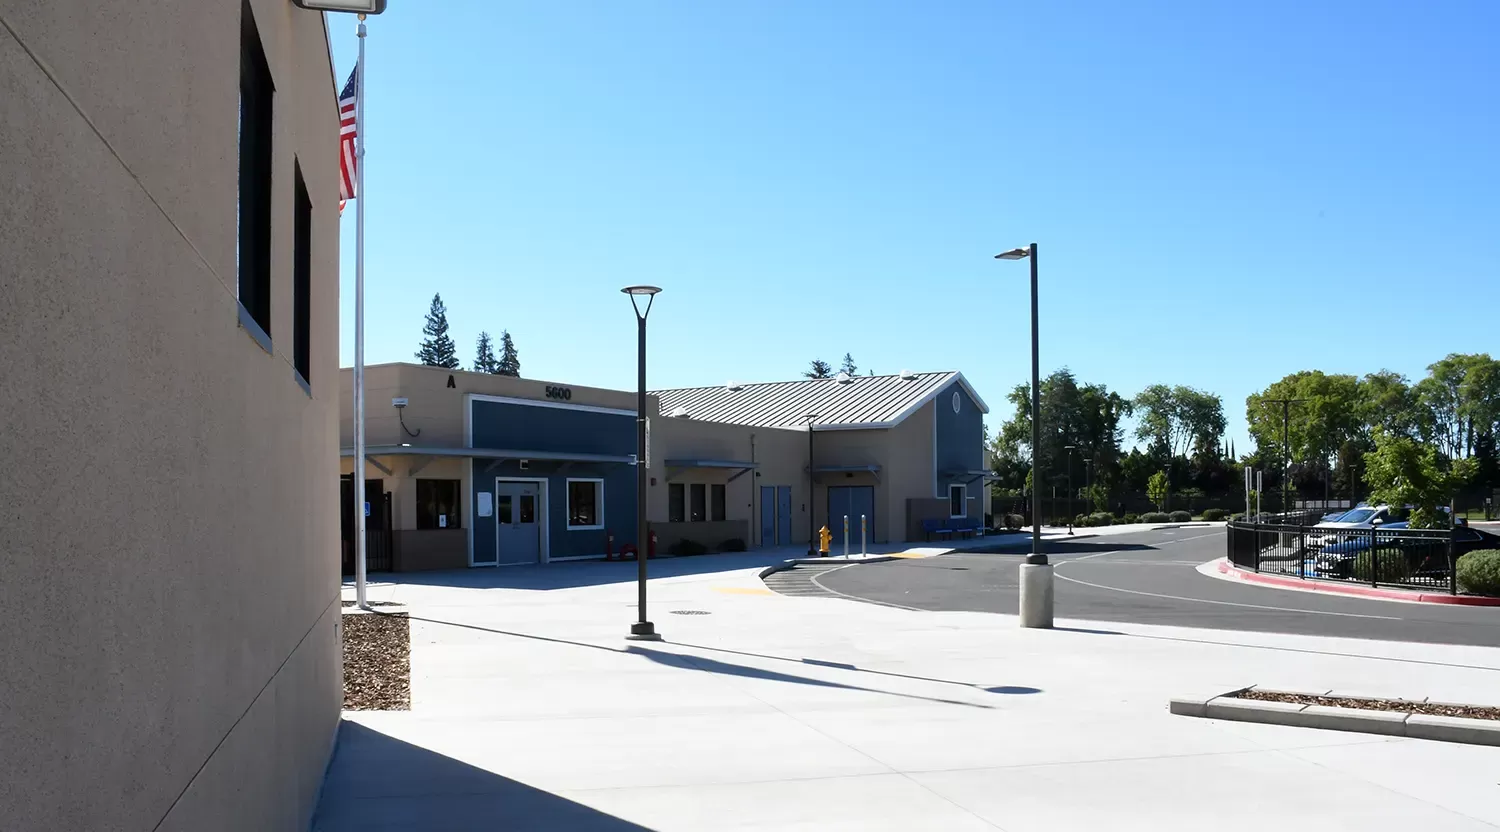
(818, 368)
(438, 349)
(848, 365)
(484, 360)
(510, 362)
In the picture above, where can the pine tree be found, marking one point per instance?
(438, 349)
(848, 365)
(484, 359)
(818, 368)
(510, 362)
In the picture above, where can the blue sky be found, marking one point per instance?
(1221, 195)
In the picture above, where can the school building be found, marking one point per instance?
(472, 469)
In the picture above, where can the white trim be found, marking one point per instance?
(545, 544)
(598, 505)
(588, 408)
(469, 471)
(984, 409)
(951, 486)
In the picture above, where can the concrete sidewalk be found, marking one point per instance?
(760, 711)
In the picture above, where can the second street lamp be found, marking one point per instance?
(642, 629)
(812, 544)
(1070, 487)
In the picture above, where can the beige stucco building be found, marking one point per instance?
(168, 395)
(471, 469)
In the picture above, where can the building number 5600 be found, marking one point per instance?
(559, 392)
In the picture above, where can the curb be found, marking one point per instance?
(792, 563)
(1415, 596)
(1387, 723)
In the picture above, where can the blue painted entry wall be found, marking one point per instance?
(960, 441)
(516, 426)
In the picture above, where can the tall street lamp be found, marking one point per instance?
(1036, 557)
(1036, 573)
(812, 545)
(1070, 487)
(1088, 481)
(642, 629)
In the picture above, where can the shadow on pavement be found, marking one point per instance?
(573, 574)
(1058, 547)
(376, 781)
(688, 662)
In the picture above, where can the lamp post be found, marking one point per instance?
(1070, 488)
(812, 545)
(1036, 574)
(1088, 481)
(642, 629)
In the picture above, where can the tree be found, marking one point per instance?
(1387, 401)
(1084, 416)
(1176, 420)
(1460, 401)
(1156, 490)
(510, 361)
(1402, 473)
(484, 358)
(848, 365)
(438, 350)
(1324, 414)
(818, 368)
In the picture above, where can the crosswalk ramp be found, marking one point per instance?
(798, 581)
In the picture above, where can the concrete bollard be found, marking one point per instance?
(1036, 595)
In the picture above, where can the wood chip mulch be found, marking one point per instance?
(1403, 705)
(377, 662)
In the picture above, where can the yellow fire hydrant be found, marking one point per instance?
(825, 537)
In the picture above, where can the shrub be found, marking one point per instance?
(1392, 566)
(1014, 521)
(1479, 572)
(733, 544)
(1238, 515)
(1154, 517)
(1215, 514)
(1081, 521)
(1130, 517)
(1101, 518)
(1180, 517)
(687, 547)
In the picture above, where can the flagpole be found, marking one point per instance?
(359, 324)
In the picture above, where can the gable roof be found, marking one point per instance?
(862, 402)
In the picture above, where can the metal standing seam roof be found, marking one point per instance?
(864, 401)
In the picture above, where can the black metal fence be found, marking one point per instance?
(1411, 558)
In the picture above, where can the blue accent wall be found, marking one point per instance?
(519, 427)
(960, 438)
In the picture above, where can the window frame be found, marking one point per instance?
(255, 189)
(458, 500)
(963, 489)
(598, 523)
(680, 514)
(301, 279)
(718, 502)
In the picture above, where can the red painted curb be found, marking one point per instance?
(1361, 591)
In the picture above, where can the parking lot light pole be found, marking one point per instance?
(1036, 573)
(1070, 487)
(642, 629)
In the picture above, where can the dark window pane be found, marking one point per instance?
(583, 504)
(504, 509)
(528, 508)
(302, 280)
(699, 493)
(717, 502)
(437, 504)
(676, 503)
(253, 244)
(957, 500)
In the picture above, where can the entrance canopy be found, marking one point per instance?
(739, 467)
(496, 455)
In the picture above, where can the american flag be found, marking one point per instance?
(348, 99)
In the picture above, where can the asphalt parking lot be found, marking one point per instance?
(1152, 578)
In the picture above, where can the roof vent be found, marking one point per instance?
(734, 386)
(844, 378)
(907, 375)
(679, 413)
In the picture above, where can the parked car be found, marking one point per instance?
(1426, 556)
(1329, 532)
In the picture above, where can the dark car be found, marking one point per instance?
(1426, 553)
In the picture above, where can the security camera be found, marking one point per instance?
(398, 402)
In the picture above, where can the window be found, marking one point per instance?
(716, 502)
(698, 491)
(504, 510)
(958, 501)
(585, 504)
(253, 245)
(676, 503)
(437, 504)
(302, 281)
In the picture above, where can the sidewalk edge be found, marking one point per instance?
(1237, 574)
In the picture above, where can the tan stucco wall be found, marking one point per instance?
(781, 455)
(169, 556)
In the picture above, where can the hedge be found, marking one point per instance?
(1014, 521)
(1154, 517)
(1392, 566)
(687, 547)
(1214, 514)
(1479, 572)
(1180, 517)
(1131, 518)
(733, 544)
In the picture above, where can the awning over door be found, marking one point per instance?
(873, 470)
(495, 455)
(968, 476)
(739, 467)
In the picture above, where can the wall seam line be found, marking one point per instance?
(338, 598)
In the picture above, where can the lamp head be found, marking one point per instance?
(1014, 254)
(647, 292)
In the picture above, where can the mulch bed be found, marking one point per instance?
(1402, 705)
(377, 662)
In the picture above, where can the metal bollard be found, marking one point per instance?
(862, 534)
(846, 537)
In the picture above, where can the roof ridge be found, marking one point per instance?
(915, 373)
